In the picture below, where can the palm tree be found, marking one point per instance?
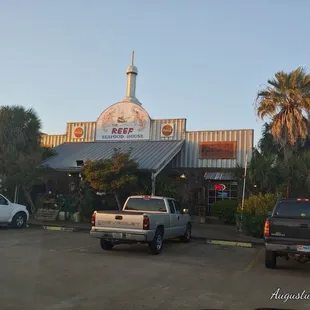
(286, 100)
(20, 149)
(20, 128)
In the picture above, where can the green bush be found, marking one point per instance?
(254, 213)
(225, 210)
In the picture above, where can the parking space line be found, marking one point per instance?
(253, 261)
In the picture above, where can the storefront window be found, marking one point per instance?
(229, 192)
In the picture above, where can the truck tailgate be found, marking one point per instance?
(290, 222)
(286, 228)
(119, 220)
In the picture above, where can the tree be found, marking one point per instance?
(262, 173)
(286, 100)
(267, 144)
(20, 149)
(111, 175)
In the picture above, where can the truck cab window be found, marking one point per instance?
(177, 207)
(171, 206)
(146, 204)
(3, 201)
(293, 208)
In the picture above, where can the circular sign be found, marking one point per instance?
(123, 121)
(78, 132)
(167, 130)
(219, 187)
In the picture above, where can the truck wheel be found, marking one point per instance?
(188, 234)
(106, 245)
(157, 243)
(19, 220)
(270, 259)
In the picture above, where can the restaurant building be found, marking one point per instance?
(205, 158)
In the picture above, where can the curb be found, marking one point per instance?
(242, 244)
(60, 228)
(230, 243)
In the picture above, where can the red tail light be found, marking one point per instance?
(93, 219)
(267, 229)
(146, 222)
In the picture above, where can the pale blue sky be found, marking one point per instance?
(202, 60)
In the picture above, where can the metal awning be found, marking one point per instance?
(151, 156)
(219, 176)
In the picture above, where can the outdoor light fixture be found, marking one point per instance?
(69, 175)
(183, 176)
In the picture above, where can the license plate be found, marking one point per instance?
(303, 248)
(117, 235)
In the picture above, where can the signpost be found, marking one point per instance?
(243, 190)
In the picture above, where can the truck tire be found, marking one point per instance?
(106, 245)
(156, 245)
(270, 259)
(188, 234)
(19, 220)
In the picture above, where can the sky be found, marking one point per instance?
(203, 60)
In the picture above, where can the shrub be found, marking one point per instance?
(225, 210)
(254, 213)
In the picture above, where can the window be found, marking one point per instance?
(3, 201)
(146, 204)
(177, 207)
(80, 163)
(293, 208)
(230, 193)
(171, 206)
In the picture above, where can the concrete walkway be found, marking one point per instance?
(212, 233)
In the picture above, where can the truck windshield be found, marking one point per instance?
(292, 208)
(141, 204)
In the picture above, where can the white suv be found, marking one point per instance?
(12, 213)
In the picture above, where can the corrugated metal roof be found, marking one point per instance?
(150, 155)
(220, 176)
(189, 156)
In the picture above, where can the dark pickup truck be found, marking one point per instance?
(287, 231)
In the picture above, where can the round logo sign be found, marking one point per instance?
(78, 132)
(219, 187)
(167, 130)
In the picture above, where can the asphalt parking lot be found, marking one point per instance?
(63, 270)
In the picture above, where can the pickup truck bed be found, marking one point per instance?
(287, 231)
(144, 219)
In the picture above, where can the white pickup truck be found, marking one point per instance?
(144, 219)
(12, 213)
